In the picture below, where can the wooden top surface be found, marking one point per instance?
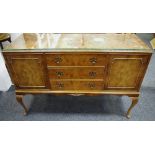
(77, 41)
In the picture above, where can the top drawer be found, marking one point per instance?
(58, 59)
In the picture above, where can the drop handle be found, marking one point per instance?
(91, 85)
(59, 74)
(57, 60)
(60, 85)
(93, 60)
(92, 74)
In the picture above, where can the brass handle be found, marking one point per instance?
(57, 60)
(92, 74)
(92, 85)
(59, 74)
(93, 60)
(60, 85)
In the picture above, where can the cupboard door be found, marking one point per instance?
(27, 70)
(126, 71)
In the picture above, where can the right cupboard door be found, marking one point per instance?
(126, 71)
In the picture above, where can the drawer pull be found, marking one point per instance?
(93, 60)
(92, 74)
(59, 74)
(60, 85)
(91, 85)
(57, 60)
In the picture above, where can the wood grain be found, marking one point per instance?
(126, 71)
(76, 72)
(27, 70)
(77, 85)
(76, 59)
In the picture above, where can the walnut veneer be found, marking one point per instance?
(77, 72)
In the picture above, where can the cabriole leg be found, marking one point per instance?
(20, 101)
(134, 102)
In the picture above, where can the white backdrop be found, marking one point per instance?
(5, 81)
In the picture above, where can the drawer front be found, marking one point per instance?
(76, 59)
(76, 72)
(77, 85)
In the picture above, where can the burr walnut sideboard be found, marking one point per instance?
(77, 64)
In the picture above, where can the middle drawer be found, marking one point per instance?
(76, 72)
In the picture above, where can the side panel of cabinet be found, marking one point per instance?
(126, 71)
(27, 70)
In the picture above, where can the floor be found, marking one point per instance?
(69, 108)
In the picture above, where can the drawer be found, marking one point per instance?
(76, 59)
(77, 85)
(76, 72)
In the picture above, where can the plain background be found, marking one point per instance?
(5, 81)
(95, 16)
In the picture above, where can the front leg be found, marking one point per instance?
(20, 101)
(134, 102)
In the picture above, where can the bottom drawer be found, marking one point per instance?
(77, 85)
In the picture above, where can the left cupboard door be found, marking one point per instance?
(27, 70)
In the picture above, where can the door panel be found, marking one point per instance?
(126, 72)
(27, 70)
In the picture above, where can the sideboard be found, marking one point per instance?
(77, 64)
